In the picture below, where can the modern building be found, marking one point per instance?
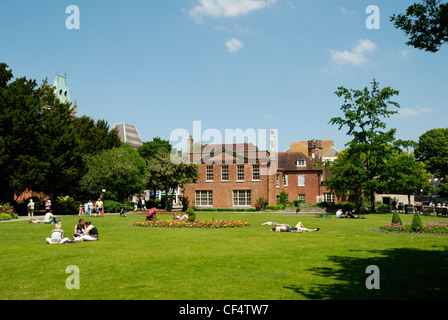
(236, 175)
(129, 134)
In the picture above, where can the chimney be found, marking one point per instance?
(314, 149)
(190, 145)
(272, 145)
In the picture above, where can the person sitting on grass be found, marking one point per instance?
(79, 230)
(48, 219)
(183, 218)
(275, 224)
(90, 232)
(339, 214)
(57, 235)
(151, 215)
(298, 228)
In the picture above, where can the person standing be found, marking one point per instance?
(48, 205)
(31, 209)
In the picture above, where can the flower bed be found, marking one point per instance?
(7, 212)
(431, 227)
(195, 224)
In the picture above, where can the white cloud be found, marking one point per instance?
(343, 10)
(356, 56)
(227, 8)
(234, 45)
(267, 116)
(408, 112)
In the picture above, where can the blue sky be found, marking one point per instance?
(231, 64)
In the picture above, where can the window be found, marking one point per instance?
(242, 198)
(301, 180)
(209, 175)
(301, 197)
(240, 172)
(204, 198)
(329, 197)
(277, 180)
(301, 162)
(285, 180)
(224, 173)
(255, 172)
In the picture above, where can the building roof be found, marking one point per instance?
(129, 134)
(231, 153)
(328, 149)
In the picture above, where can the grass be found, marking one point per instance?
(245, 263)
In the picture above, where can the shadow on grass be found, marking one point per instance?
(405, 273)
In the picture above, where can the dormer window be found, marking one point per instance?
(301, 162)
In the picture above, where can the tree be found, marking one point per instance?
(432, 150)
(364, 162)
(425, 23)
(162, 174)
(405, 175)
(119, 170)
(149, 149)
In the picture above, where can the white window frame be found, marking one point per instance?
(204, 198)
(255, 172)
(285, 180)
(242, 198)
(329, 197)
(239, 172)
(301, 163)
(299, 178)
(208, 173)
(301, 197)
(224, 173)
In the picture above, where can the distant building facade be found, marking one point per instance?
(236, 175)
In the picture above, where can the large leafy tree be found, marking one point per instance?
(119, 170)
(426, 24)
(163, 174)
(149, 149)
(432, 150)
(363, 165)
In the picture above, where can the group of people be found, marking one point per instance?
(89, 207)
(84, 231)
(348, 215)
(283, 227)
(31, 207)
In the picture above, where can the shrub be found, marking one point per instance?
(191, 214)
(7, 212)
(276, 207)
(283, 198)
(417, 223)
(396, 218)
(261, 203)
(111, 206)
(66, 205)
(382, 207)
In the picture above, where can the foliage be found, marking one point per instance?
(431, 227)
(111, 206)
(432, 150)
(361, 169)
(283, 198)
(118, 170)
(417, 223)
(426, 24)
(65, 205)
(276, 207)
(191, 214)
(396, 218)
(261, 203)
(41, 144)
(192, 224)
(150, 149)
(7, 212)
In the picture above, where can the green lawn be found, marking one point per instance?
(247, 263)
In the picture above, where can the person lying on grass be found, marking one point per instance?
(298, 228)
(275, 224)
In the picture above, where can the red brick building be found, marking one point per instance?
(236, 175)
